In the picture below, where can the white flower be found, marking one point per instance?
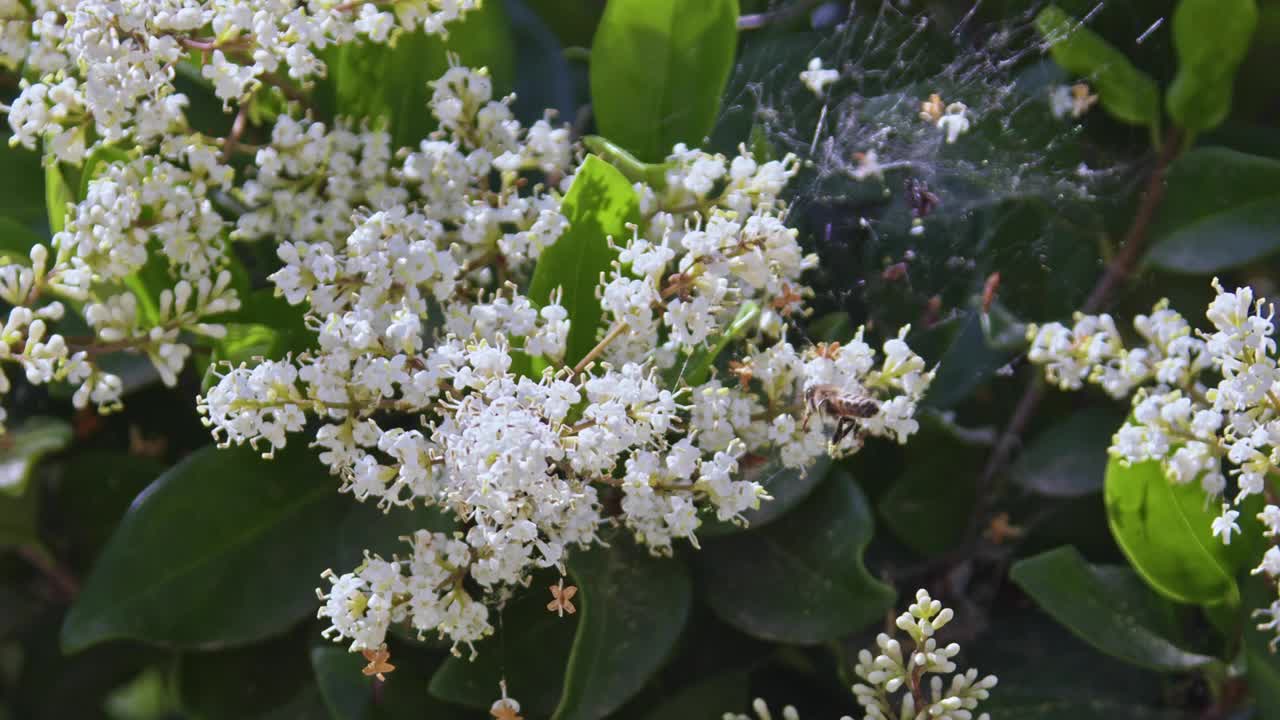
(1225, 524)
(817, 78)
(954, 122)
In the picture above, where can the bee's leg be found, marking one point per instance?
(843, 426)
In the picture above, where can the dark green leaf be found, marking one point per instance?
(22, 196)
(94, 489)
(1211, 37)
(1106, 606)
(530, 649)
(969, 361)
(350, 695)
(575, 22)
(633, 608)
(1126, 92)
(22, 447)
(18, 518)
(1164, 531)
(599, 205)
(222, 549)
(1219, 211)
(806, 583)
(927, 507)
(705, 698)
(244, 682)
(787, 486)
(146, 697)
(1068, 458)
(16, 241)
(658, 69)
(369, 80)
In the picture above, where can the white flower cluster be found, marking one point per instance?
(1202, 401)
(434, 377)
(891, 672)
(534, 453)
(107, 67)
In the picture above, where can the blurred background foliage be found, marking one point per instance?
(145, 576)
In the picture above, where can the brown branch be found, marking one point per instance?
(48, 566)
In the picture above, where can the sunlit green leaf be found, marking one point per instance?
(22, 447)
(1211, 37)
(598, 206)
(658, 68)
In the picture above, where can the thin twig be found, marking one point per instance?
(755, 21)
(599, 348)
(48, 566)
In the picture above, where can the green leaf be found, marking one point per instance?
(222, 549)
(653, 174)
(573, 22)
(633, 608)
(802, 579)
(57, 195)
(22, 448)
(969, 361)
(927, 507)
(18, 518)
(706, 698)
(245, 682)
(598, 206)
(697, 367)
(1068, 458)
(16, 241)
(1129, 94)
(787, 486)
(372, 80)
(1219, 212)
(1211, 37)
(658, 69)
(530, 649)
(1106, 606)
(350, 695)
(1164, 530)
(21, 198)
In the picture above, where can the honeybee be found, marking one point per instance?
(846, 407)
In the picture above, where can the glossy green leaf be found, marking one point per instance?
(696, 369)
(633, 607)
(807, 583)
(369, 80)
(658, 69)
(1164, 531)
(654, 174)
(222, 549)
(787, 486)
(57, 195)
(530, 648)
(1219, 212)
(1126, 92)
(1211, 37)
(1106, 606)
(598, 206)
(1068, 458)
(22, 447)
